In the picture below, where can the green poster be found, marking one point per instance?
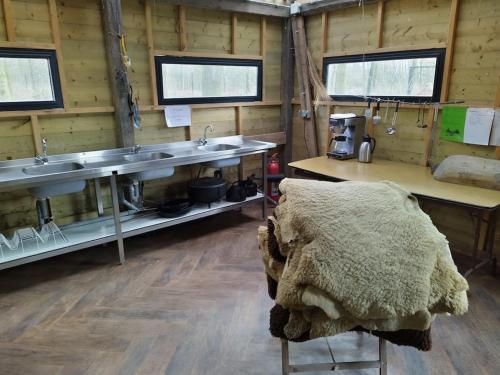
(453, 123)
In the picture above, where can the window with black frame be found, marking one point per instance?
(29, 79)
(192, 80)
(413, 76)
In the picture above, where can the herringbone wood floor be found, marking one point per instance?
(193, 300)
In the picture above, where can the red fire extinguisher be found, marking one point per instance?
(273, 169)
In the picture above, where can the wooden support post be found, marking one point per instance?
(428, 137)
(497, 105)
(239, 131)
(324, 39)
(263, 52)
(151, 51)
(307, 113)
(287, 83)
(56, 39)
(112, 18)
(328, 138)
(450, 47)
(182, 29)
(380, 23)
(187, 131)
(234, 29)
(37, 137)
(9, 21)
(324, 32)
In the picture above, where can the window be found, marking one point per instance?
(29, 79)
(187, 80)
(410, 75)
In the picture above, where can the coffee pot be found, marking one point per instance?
(366, 149)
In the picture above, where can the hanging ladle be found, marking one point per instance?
(392, 129)
(386, 112)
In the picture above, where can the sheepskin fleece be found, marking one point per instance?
(360, 254)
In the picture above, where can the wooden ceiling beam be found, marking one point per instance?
(238, 6)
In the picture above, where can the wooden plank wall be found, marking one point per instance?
(87, 121)
(411, 24)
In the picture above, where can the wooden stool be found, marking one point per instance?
(381, 364)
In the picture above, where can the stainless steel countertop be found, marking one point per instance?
(106, 162)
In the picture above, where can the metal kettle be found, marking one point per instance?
(366, 149)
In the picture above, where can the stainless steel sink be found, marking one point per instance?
(66, 168)
(151, 174)
(50, 168)
(149, 156)
(230, 162)
(58, 188)
(218, 147)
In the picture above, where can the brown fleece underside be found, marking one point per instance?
(279, 316)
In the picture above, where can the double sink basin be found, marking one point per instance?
(98, 161)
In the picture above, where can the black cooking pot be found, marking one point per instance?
(207, 189)
(236, 193)
(249, 185)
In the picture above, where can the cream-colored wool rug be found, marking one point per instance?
(360, 254)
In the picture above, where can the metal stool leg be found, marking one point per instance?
(382, 356)
(285, 360)
(287, 369)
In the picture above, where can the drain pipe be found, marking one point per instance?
(134, 194)
(44, 211)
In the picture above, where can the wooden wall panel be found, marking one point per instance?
(153, 130)
(165, 26)
(352, 28)
(255, 120)
(221, 118)
(313, 27)
(272, 72)
(208, 30)
(3, 30)
(81, 133)
(248, 33)
(31, 20)
(84, 54)
(16, 139)
(410, 22)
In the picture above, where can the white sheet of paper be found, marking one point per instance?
(178, 115)
(478, 122)
(495, 130)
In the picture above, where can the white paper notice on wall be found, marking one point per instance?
(178, 115)
(478, 122)
(495, 130)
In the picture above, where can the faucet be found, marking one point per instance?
(136, 149)
(203, 141)
(43, 159)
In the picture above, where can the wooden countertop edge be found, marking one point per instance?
(424, 193)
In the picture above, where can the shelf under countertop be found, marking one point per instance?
(95, 232)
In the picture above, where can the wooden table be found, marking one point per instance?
(483, 204)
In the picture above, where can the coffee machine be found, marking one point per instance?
(347, 134)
